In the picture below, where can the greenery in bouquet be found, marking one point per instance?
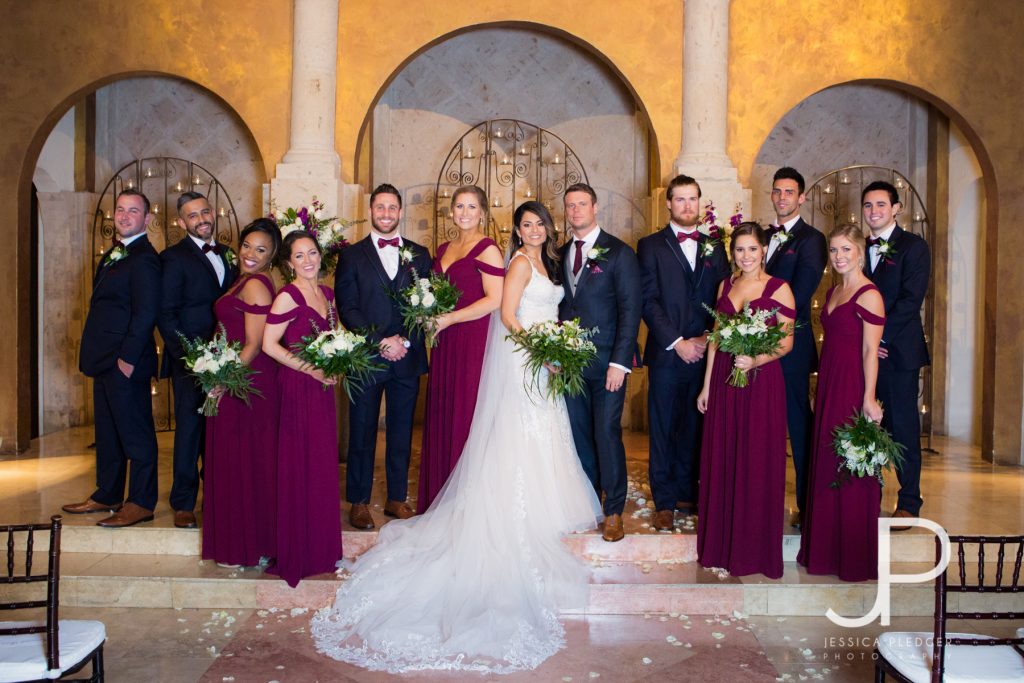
(424, 300)
(328, 231)
(340, 353)
(217, 364)
(864, 448)
(562, 345)
(747, 333)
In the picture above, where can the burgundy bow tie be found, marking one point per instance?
(381, 242)
(875, 241)
(215, 248)
(118, 243)
(683, 236)
(774, 230)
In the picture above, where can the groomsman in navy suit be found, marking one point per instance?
(196, 272)
(118, 352)
(602, 289)
(797, 254)
(680, 269)
(899, 264)
(369, 275)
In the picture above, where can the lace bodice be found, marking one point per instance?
(540, 298)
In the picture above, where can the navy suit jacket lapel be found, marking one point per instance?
(588, 264)
(370, 252)
(197, 251)
(673, 246)
(567, 268)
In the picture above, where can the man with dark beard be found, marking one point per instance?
(196, 272)
(370, 274)
(680, 269)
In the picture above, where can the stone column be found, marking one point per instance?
(311, 167)
(705, 105)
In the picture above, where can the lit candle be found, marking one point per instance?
(149, 173)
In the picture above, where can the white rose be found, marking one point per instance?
(424, 282)
(201, 364)
(725, 332)
(414, 299)
(428, 299)
(318, 214)
(593, 254)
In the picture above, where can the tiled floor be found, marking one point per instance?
(963, 493)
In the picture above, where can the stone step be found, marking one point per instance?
(912, 546)
(617, 587)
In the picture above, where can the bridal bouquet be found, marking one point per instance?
(424, 300)
(746, 333)
(217, 364)
(340, 353)
(864, 449)
(327, 230)
(564, 345)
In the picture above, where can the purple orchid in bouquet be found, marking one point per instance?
(328, 231)
(713, 235)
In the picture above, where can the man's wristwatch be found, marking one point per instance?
(405, 342)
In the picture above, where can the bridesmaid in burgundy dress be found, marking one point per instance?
(308, 491)
(743, 452)
(240, 472)
(474, 264)
(840, 533)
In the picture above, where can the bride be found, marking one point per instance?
(477, 581)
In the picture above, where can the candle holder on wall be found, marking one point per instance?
(834, 199)
(512, 161)
(162, 180)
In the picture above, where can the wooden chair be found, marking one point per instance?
(922, 657)
(46, 649)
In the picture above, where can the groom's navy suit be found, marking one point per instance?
(365, 296)
(674, 297)
(122, 312)
(190, 288)
(801, 263)
(607, 296)
(902, 278)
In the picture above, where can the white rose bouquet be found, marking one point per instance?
(746, 333)
(340, 353)
(562, 345)
(864, 449)
(216, 364)
(424, 300)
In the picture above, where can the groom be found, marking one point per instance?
(602, 289)
(369, 274)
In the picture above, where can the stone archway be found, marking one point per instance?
(66, 219)
(902, 127)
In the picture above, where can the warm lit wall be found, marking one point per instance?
(963, 56)
(780, 53)
(54, 52)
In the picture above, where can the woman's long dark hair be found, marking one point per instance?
(286, 252)
(269, 228)
(549, 254)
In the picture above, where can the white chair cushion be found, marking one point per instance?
(23, 658)
(910, 653)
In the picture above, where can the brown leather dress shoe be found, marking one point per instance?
(664, 520)
(401, 510)
(613, 528)
(902, 514)
(185, 519)
(686, 507)
(130, 514)
(88, 506)
(359, 516)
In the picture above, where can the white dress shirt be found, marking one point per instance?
(873, 249)
(774, 243)
(128, 240)
(688, 247)
(213, 257)
(388, 254)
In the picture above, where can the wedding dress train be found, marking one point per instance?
(476, 582)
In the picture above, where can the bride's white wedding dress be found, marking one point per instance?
(476, 583)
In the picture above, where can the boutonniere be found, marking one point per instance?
(116, 254)
(595, 257)
(405, 256)
(230, 257)
(707, 247)
(886, 250)
(782, 237)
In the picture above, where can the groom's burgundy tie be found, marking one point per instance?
(577, 261)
